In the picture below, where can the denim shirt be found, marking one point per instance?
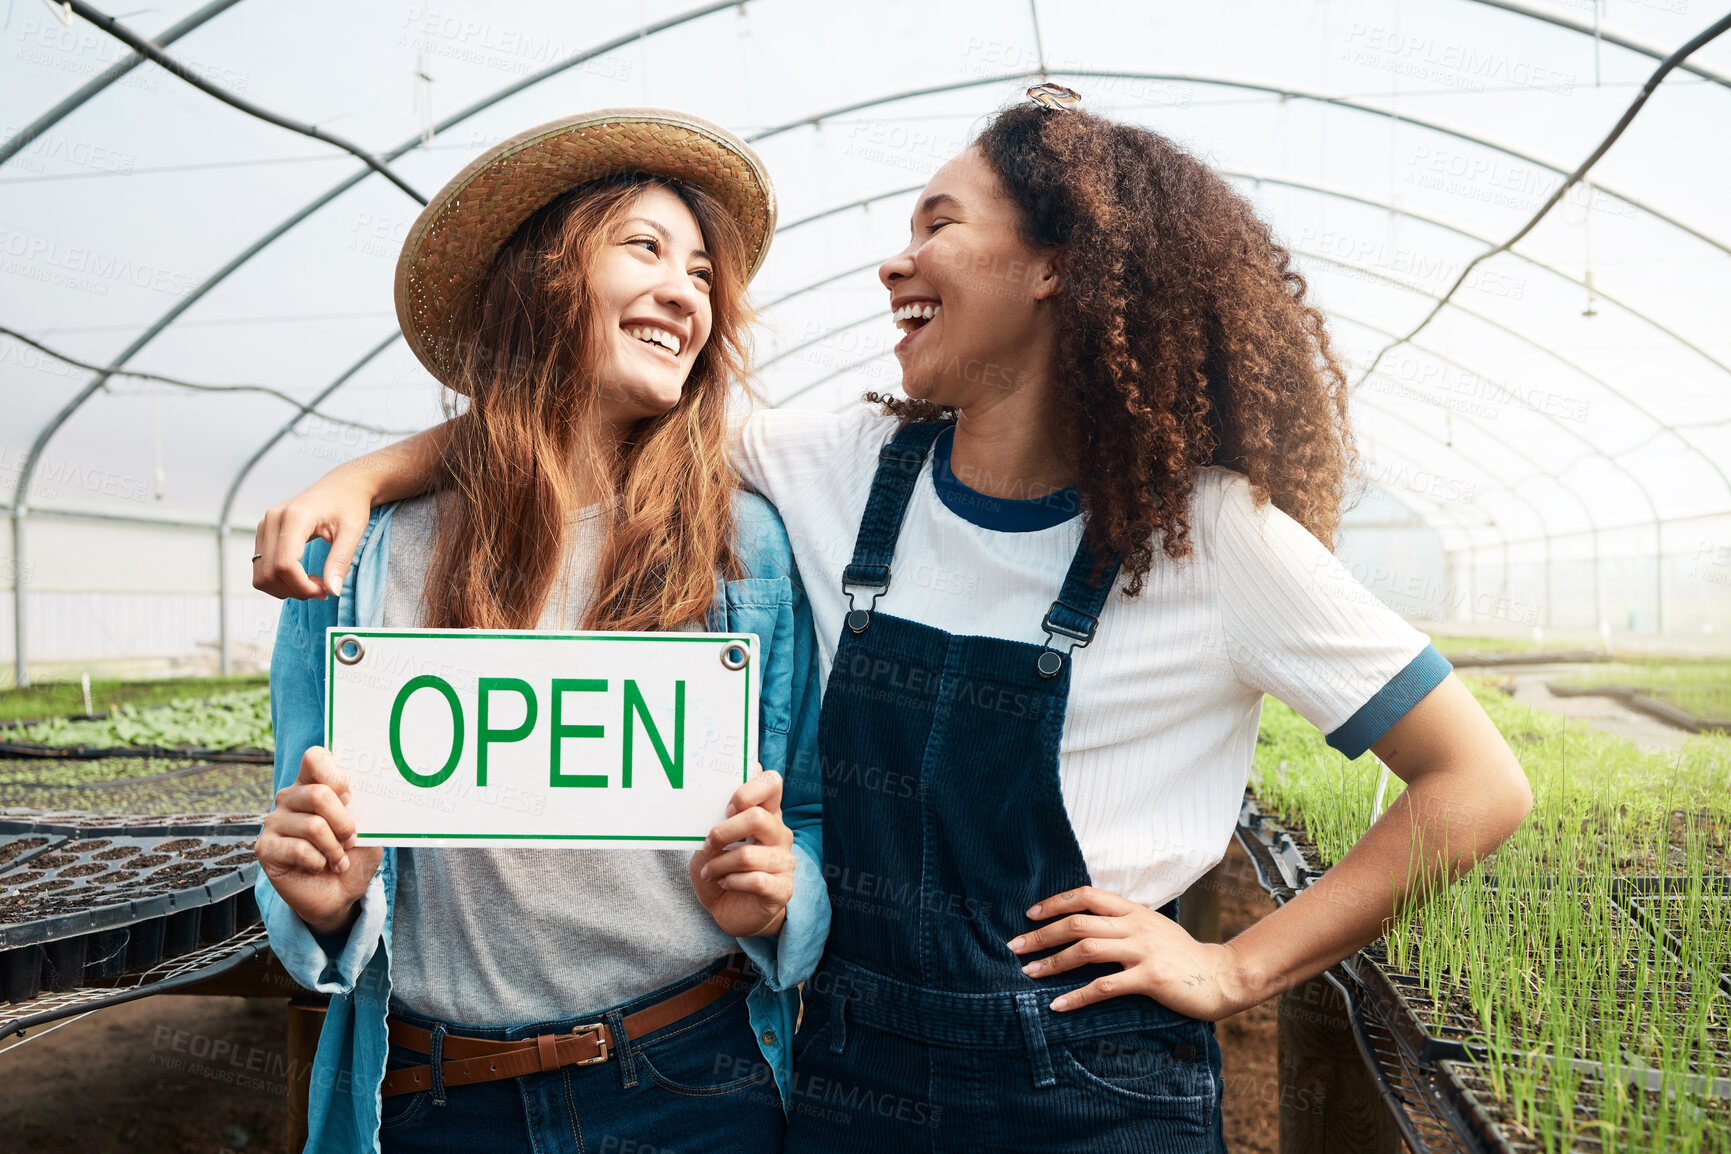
(344, 1102)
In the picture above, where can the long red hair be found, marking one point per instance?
(531, 442)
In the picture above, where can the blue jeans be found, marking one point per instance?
(695, 1086)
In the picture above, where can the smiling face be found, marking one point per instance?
(969, 292)
(650, 282)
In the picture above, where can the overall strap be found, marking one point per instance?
(899, 465)
(1076, 612)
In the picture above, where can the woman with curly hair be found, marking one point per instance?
(1097, 530)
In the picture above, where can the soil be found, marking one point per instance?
(19, 847)
(161, 1075)
(175, 864)
(1248, 1041)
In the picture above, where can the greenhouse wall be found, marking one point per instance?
(132, 599)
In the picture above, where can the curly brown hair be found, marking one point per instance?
(1184, 335)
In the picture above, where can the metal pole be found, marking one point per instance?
(1550, 595)
(1658, 576)
(1598, 585)
(224, 665)
(21, 664)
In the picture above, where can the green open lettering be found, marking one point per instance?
(562, 686)
(486, 735)
(673, 766)
(426, 681)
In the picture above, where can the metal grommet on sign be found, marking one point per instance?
(735, 656)
(1049, 662)
(350, 650)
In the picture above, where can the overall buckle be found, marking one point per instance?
(1050, 661)
(859, 620)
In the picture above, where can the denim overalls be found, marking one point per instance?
(944, 823)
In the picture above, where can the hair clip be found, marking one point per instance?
(1050, 95)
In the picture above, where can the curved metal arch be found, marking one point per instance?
(817, 284)
(1472, 459)
(875, 314)
(1552, 418)
(1466, 528)
(865, 202)
(1333, 193)
(241, 475)
(1451, 523)
(1203, 80)
(1608, 35)
(830, 376)
(1593, 451)
(1555, 478)
(108, 76)
(1548, 351)
(289, 427)
(1248, 86)
(173, 67)
(1505, 486)
(1461, 525)
(34, 457)
(1371, 202)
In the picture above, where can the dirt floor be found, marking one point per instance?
(162, 1075)
(1247, 1040)
(193, 1075)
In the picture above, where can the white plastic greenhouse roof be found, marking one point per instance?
(1572, 396)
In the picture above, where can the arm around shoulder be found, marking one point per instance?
(791, 673)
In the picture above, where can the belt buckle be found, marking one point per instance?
(598, 1029)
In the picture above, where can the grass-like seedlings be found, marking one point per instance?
(1597, 1009)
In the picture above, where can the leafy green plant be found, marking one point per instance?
(60, 698)
(239, 720)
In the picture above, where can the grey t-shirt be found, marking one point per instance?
(497, 937)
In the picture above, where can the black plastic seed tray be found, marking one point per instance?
(1282, 865)
(82, 823)
(80, 905)
(1659, 913)
(93, 753)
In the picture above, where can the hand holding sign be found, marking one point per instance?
(746, 888)
(308, 849)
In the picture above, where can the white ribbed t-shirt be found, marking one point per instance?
(1163, 708)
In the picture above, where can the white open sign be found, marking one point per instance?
(518, 738)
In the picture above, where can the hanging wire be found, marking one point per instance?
(424, 98)
(117, 371)
(163, 60)
(1592, 309)
(1039, 41)
(1705, 36)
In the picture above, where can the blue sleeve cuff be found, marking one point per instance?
(791, 957)
(1391, 703)
(308, 957)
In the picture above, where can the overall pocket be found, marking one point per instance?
(1160, 1064)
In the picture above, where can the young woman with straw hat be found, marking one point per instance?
(1093, 535)
(583, 284)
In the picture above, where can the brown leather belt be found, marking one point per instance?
(469, 1060)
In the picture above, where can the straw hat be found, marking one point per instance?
(452, 243)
